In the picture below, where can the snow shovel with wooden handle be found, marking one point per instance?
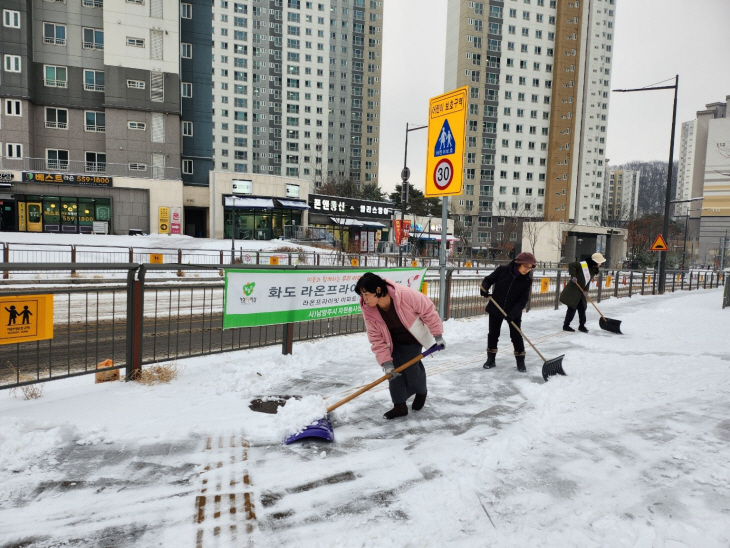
(607, 324)
(549, 367)
(322, 428)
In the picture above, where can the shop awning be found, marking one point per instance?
(249, 203)
(292, 204)
(344, 221)
(372, 224)
(432, 236)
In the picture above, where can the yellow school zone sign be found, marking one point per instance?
(26, 318)
(446, 137)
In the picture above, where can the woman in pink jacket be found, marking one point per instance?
(400, 321)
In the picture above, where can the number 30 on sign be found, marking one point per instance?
(443, 174)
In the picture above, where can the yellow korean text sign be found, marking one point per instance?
(446, 136)
(26, 318)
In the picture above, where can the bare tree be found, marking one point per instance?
(531, 231)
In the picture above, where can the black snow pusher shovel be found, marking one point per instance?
(607, 324)
(549, 367)
(323, 428)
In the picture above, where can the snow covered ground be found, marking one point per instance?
(629, 449)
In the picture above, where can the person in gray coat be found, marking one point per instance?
(573, 297)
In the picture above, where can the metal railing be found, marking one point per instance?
(149, 313)
(79, 167)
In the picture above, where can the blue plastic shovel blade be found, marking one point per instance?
(320, 429)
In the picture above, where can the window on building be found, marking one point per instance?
(13, 150)
(93, 38)
(94, 80)
(56, 118)
(54, 34)
(11, 19)
(187, 167)
(139, 126)
(187, 89)
(11, 63)
(187, 128)
(56, 160)
(186, 12)
(94, 121)
(95, 162)
(13, 107)
(55, 76)
(135, 42)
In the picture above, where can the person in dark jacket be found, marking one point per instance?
(510, 287)
(572, 296)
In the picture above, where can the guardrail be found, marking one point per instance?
(149, 313)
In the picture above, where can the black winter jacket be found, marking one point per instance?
(509, 288)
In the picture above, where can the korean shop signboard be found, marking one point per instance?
(269, 297)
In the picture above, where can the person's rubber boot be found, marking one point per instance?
(419, 401)
(491, 358)
(520, 357)
(582, 329)
(399, 410)
(567, 328)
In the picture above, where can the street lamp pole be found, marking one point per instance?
(668, 197)
(405, 174)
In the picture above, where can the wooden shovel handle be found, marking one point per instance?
(400, 368)
(590, 301)
(517, 328)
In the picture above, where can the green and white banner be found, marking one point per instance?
(270, 297)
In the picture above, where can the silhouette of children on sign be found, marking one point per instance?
(12, 314)
(26, 315)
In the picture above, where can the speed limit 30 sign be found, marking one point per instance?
(446, 136)
(443, 174)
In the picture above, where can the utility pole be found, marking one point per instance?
(668, 197)
(405, 175)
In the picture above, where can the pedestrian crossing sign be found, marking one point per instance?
(26, 318)
(659, 244)
(445, 144)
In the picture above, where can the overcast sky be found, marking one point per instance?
(654, 40)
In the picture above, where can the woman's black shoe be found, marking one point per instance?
(399, 410)
(419, 401)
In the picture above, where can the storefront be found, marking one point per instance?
(259, 218)
(356, 226)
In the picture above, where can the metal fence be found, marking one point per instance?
(140, 316)
(286, 255)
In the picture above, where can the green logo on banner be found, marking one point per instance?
(248, 288)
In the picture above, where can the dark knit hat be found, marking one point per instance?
(526, 258)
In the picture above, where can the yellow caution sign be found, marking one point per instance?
(414, 263)
(424, 288)
(544, 285)
(467, 264)
(446, 137)
(659, 244)
(354, 262)
(648, 278)
(26, 318)
(157, 258)
(274, 260)
(608, 280)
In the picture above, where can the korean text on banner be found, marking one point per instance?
(270, 297)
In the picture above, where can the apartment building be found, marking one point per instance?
(621, 195)
(90, 94)
(539, 73)
(704, 172)
(296, 88)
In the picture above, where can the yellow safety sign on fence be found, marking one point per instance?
(274, 260)
(414, 263)
(608, 280)
(648, 278)
(354, 262)
(544, 285)
(467, 264)
(26, 318)
(157, 258)
(424, 288)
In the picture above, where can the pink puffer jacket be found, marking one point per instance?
(416, 312)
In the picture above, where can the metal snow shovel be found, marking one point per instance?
(323, 427)
(607, 324)
(549, 367)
